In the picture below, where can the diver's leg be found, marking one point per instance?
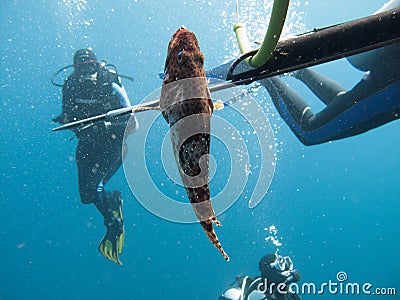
(116, 150)
(323, 87)
(97, 160)
(108, 163)
(111, 205)
(89, 173)
(111, 244)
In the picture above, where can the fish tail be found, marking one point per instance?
(212, 236)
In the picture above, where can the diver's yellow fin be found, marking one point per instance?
(113, 241)
(111, 245)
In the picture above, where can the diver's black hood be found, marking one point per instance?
(84, 55)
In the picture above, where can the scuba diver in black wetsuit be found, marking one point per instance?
(374, 101)
(94, 89)
(277, 274)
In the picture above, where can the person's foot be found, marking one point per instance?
(111, 244)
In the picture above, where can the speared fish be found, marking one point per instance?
(187, 106)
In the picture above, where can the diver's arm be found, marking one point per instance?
(323, 87)
(67, 99)
(357, 111)
(298, 115)
(120, 92)
(286, 100)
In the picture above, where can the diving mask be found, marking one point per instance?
(86, 67)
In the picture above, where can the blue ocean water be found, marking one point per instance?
(335, 206)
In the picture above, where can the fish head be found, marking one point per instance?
(184, 58)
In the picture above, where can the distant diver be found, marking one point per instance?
(274, 283)
(187, 107)
(92, 89)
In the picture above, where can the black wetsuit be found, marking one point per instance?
(100, 146)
